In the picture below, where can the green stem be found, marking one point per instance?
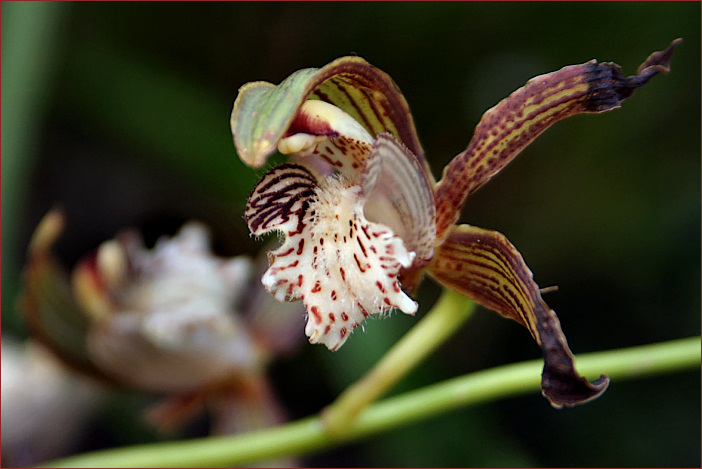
(440, 322)
(309, 434)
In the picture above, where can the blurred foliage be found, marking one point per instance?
(120, 112)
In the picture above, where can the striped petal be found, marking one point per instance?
(485, 267)
(399, 194)
(343, 266)
(517, 120)
(263, 112)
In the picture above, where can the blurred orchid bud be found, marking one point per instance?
(174, 319)
(165, 319)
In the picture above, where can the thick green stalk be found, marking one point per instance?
(309, 434)
(440, 322)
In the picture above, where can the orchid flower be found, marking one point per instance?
(363, 219)
(174, 319)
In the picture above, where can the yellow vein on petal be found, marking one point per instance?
(516, 121)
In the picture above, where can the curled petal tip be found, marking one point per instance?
(616, 88)
(659, 61)
(568, 392)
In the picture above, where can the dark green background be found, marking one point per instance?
(120, 111)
